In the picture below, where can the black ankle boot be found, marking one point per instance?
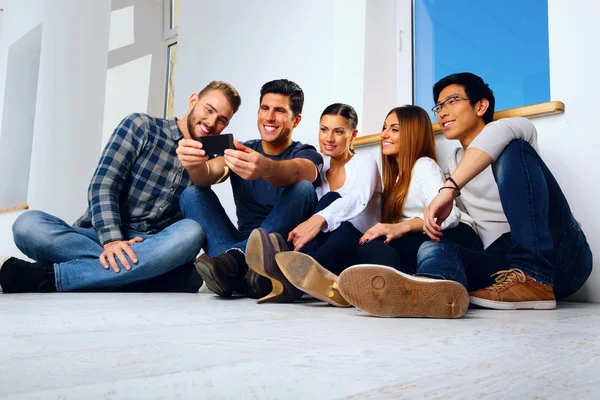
(19, 276)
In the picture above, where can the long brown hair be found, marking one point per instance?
(416, 141)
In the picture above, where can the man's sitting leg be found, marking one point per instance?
(222, 266)
(540, 220)
(295, 205)
(47, 240)
(157, 254)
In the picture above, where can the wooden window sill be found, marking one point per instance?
(9, 209)
(532, 111)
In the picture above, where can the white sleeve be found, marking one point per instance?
(430, 178)
(358, 189)
(498, 134)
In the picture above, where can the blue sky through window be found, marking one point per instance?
(505, 42)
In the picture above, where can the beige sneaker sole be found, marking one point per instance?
(305, 273)
(514, 305)
(385, 292)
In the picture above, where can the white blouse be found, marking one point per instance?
(360, 201)
(426, 179)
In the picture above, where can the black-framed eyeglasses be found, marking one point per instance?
(449, 102)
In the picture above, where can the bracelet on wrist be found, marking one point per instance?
(450, 187)
(453, 182)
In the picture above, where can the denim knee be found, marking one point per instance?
(27, 224)
(192, 194)
(301, 189)
(195, 198)
(510, 154)
(194, 237)
(440, 261)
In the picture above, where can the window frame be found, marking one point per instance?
(170, 37)
(406, 28)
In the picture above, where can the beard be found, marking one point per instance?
(190, 128)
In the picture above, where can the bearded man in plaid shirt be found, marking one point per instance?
(133, 235)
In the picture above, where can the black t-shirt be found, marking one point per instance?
(255, 199)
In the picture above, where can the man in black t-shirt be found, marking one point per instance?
(272, 181)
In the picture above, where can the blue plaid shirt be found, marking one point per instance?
(138, 181)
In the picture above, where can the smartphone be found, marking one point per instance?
(215, 146)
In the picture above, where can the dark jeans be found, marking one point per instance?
(402, 252)
(203, 206)
(545, 241)
(334, 250)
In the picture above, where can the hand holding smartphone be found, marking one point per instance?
(215, 146)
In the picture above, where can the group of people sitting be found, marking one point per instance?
(492, 228)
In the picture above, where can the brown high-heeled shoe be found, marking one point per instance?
(305, 273)
(260, 257)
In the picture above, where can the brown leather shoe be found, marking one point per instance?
(219, 273)
(514, 290)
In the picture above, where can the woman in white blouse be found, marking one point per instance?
(411, 178)
(349, 203)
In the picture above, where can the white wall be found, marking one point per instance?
(69, 112)
(70, 108)
(135, 78)
(569, 142)
(19, 17)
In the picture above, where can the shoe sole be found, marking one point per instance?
(385, 292)
(516, 305)
(260, 256)
(208, 274)
(306, 274)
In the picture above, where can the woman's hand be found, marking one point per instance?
(390, 231)
(306, 231)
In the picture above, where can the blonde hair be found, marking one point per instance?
(232, 95)
(416, 141)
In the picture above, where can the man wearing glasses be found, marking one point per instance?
(534, 250)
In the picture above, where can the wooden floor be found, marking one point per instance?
(163, 346)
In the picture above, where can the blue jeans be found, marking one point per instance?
(75, 251)
(402, 253)
(545, 241)
(203, 206)
(334, 250)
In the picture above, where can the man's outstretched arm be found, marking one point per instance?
(250, 165)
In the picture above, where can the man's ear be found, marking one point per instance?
(482, 107)
(297, 120)
(193, 100)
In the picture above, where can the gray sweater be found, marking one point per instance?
(480, 197)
